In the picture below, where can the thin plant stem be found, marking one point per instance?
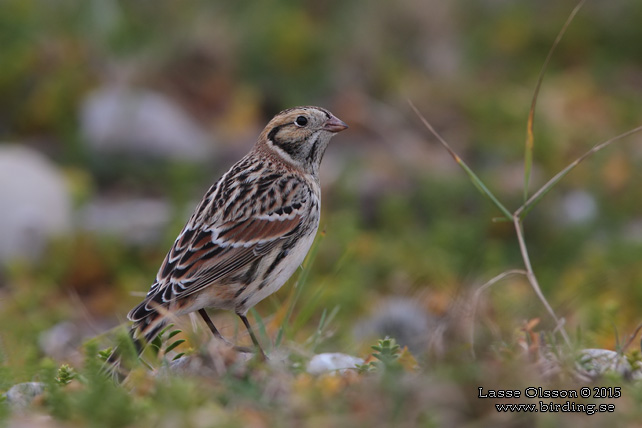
(631, 338)
(515, 218)
(476, 180)
(533, 279)
(528, 205)
(477, 296)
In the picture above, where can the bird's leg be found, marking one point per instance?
(212, 327)
(220, 337)
(249, 330)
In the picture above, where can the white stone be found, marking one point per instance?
(137, 221)
(34, 203)
(141, 122)
(331, 362)
(596, 362)
(579, 207)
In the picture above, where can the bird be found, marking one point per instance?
(250, 232)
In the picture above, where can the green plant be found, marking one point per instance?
(65, 375)
(104, 354)
(517, 216)
(169, 345)
(387, 352)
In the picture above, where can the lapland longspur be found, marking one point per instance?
(250, 232)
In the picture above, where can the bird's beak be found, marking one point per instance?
(334, 124)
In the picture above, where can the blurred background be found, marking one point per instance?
(115, 118)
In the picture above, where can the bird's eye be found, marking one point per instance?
(301, 121)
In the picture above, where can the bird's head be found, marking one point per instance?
(300, 135)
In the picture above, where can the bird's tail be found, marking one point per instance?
(148, 320)
(146, 329)
(139, 335)
(149, 317)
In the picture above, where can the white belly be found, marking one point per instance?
(284, 271)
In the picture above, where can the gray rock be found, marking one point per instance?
(400, 318)
(35, 202)
(578, 207)
(21, 395)
(60, 340)
(35, 420)
(632, 231)
(137, 221)
(141, 122)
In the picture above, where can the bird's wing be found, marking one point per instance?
(206, 253)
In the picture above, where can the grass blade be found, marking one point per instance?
(530, 141)
(533, 200)
(174, 333)
(298, 287)
(325, 320)
(474, 178)
(261, 325)
(174, 345)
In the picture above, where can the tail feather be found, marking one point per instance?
(148, 327)
(141, 333)
(149, 317)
